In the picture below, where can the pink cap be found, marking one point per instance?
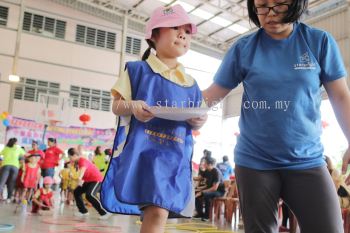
(48, 180)
(168, 17)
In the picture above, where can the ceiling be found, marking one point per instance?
(219, 22)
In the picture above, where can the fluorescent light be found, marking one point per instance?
(166, 1)
(14, 78)
(221, 21)
(238, 28)
(185, 5)
(202, 14)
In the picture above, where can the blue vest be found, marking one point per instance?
(154, 167)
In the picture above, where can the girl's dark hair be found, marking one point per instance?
(151, 45)
(53, 140)
(11, 142)
(98, 150)
(296, 9)
(72, 151)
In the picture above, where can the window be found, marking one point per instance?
(30, 89)
(90, 98)
(44, 25)
(3, 15)
(95, 37)
(133, 45)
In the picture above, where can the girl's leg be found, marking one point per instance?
(312, 197)
(154, 220)
(24, 194)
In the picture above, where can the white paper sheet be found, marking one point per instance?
(177, 114)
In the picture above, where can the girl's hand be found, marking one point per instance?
(198, 122)
(140, 110)
(346, 160)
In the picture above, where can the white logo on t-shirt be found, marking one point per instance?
(305, 63)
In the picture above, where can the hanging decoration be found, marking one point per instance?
(85, 118)
(325, 124)
(196, 133)
(5, 117)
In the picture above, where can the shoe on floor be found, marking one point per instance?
(204, 219)
(78, 214)
(197, 216)
(105, 217)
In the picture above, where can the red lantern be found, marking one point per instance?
(325, 124)
(196, 133)
(85, 118)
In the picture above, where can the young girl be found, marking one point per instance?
(152, 173)
(43, 197)
(31, 175)
(64, 175)
(279, 153)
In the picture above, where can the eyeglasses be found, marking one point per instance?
(278, 9)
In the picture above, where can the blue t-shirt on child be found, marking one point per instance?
(280, 119)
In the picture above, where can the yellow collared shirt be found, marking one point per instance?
(176, 75)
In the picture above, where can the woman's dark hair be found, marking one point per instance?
(98, 150)
(225, 158)
(53, 140)
(11, 142)
(151, 45)
(296, 9)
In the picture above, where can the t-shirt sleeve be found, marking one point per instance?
(82, 163)
(332, 65)
(122, 86)
(229, 73)
(59, 151)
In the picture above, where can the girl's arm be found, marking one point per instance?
(36, 197)
(214, 94)
(339, 97)
(23, 173)
(138, 108)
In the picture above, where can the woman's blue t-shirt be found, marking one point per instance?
(280, 123)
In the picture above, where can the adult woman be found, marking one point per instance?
(10, 165)
(279, 152)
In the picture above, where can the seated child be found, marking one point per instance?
(43, 197)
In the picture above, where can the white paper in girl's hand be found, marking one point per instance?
(177, 114)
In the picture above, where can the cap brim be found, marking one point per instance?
(171, 23)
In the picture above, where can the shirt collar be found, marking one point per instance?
(159, 67)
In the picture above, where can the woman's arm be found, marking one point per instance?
(339, 97)
(214, 94)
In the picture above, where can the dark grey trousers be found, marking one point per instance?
(310, 194)
(8, 175)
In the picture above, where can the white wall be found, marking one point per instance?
(64, 61)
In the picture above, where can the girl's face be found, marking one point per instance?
(270, 20)
(32, 159)
(35, 146)
(50, 144)
(173, 42)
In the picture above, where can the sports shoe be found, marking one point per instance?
(78, 214)
(105, 217)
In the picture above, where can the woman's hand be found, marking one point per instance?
(197, 122)
(141, 110)
(346, 160)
